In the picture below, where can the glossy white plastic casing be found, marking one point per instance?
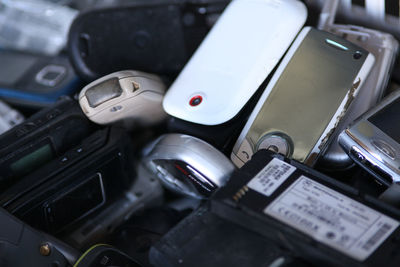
(238, 54)
(138, 99)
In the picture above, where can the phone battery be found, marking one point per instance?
(312, 215)
(205, 239)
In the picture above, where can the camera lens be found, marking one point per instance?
(195, 101)
(357, 55)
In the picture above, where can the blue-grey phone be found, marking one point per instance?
(34, 80)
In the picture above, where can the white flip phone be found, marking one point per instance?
(237, 55)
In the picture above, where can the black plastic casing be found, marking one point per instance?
(205, 239)
(247, 211)
(153, 36)
(58, 127)
(20, 245)
(104, 255)
(76, 185)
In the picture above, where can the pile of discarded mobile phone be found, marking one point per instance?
(199, 133)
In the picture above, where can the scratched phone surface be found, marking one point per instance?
(319, 79)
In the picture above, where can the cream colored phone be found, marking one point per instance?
(128, 96)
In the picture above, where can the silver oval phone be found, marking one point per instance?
(187, 165)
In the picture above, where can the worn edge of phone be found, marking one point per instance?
(385, 49)
(321, 143)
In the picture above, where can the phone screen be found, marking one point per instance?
(33, 160)
(386, 120)
(13, 67)
(90, 191)
(103, 92)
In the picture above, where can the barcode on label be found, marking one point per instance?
(271, 177)
(377, 236)
(332, 218)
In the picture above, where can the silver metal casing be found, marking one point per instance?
(187, 165)
(385, 48)
(371, 147)
(306, 98)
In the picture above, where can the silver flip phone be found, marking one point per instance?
(307, 97)
(384, 47)
(373, 140)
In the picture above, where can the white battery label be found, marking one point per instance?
(271, 177)
(332, 218)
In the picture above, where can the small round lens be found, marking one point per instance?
(357, 55)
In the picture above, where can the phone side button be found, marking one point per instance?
(385, 148)
(245, 151)
(357, 154)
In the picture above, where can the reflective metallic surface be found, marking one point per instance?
(303, 102)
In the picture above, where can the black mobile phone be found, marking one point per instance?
(153, 36)
(39, 249)
(321, 219)
(41, 138)
(35, 80)
(76, 185)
